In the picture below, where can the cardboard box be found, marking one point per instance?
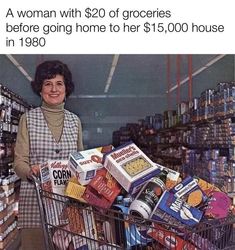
(7, 240)
(189, 190)
(172, 177)
(92, 197)
(84, 164)
(54, 176)
(105, 185)
(130, 166)
(8, 188)
(10, 199)
(169, 239)
(10, 219)
(3, 213)
(82, 222)
(75, 190)
(185, 187)
(178, 209)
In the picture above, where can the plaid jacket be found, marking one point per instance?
(43, 146)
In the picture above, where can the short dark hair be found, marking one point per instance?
(48, 70)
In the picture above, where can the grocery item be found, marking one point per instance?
(148, 196)
(129, 234)
(178, 209)
(92, 197)
(172, 176)
(105, 185)
(54, 175)
(189, 190)
(84, 164)
(75, 190)
(218, 205)
(130, 166)
(169, 239)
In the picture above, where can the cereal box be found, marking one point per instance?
(189, 190)
(54, 175)
(130, 166)
(84, 164)
(206, 186)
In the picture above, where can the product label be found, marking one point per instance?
(54, 176)
(151, 192)
(169, 239)
(179, 209)
(185, 187)
(130, 166)
(84, 164)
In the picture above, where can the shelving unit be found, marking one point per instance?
(197, 139)
(12, 107)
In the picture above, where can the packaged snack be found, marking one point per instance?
(92, 197)
(205, 186)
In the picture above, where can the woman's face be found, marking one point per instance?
(53, 90)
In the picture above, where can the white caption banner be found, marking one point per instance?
(103, 27)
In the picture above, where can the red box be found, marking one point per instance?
(105, 185)
(169, 239)
(92, 197)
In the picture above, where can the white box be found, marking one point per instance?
(84, 164)
(130, 166)
(54, 175)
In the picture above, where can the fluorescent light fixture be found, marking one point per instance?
(19, 67)
(198, 71)
(116, 96)
(112, 69)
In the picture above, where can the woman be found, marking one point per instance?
(49, 132)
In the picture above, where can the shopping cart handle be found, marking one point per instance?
(34, 179)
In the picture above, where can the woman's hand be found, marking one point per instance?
(34, 171)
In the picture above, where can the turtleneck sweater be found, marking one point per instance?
(54, 117)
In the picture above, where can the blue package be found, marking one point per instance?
(133, 235)
(179, 209)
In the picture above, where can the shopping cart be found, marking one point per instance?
(70, 224)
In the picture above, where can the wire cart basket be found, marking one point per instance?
(70, 224)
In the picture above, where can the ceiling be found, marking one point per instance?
(136, 88)
(134, 76)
